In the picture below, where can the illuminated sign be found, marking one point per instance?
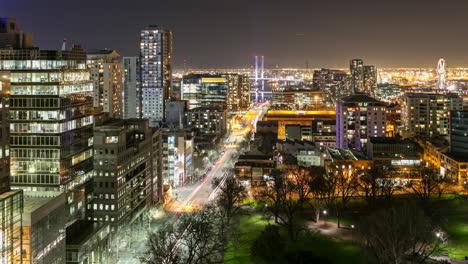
(213, 80)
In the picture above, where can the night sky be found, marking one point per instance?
(227, 34)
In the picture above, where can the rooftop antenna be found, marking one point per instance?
(64, 44)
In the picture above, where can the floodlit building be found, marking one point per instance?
(122, 171)
(428, 114)
(358, 118)
(156, 72)
(132, 87)
(107, 75)
(176, 156)
(297, 100)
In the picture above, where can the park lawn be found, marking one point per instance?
(457, 230)
(334, 250)
(238, 251)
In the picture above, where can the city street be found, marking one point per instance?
(131, 242)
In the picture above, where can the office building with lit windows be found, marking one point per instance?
(51, 116)
(11, 202)
(122, 184)
(358, 118)
(156, 72)
(230, 91)
(428, 114)
(106, 74)
(132, 87)
(207, 121)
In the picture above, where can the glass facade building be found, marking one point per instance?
(459, 131)
(51, 118)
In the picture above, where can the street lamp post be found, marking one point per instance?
(324, 214)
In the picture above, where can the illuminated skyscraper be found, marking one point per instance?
(356, 69)
(156, 71)
(369, 85)
(132, 87)
(363, 78)
(106, 73)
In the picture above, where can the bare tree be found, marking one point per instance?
(344, 179)
(427, 185)
(162, 247)
(285, 203)
(196, 238)
(376, 184)
(201, 239)
(322, 190)
(443, 185)
(399, 235)
(230, 197)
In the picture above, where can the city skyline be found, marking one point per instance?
(397, 34)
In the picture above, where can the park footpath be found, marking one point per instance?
(348, 233)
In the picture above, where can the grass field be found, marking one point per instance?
(238, 251)
(332, 250)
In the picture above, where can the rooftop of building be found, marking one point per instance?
(267, 123)
(74, 53)
(360, 98)
(100, 51)
(345, 154)
(117, 124)
(428, 95)
(458, 156)
(389, 140)
(255, 164)
(80, 231)
(296, 142)
(209, 108)
(255, 157)
(32, 203)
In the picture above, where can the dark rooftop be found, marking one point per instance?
(360, 98)
(389, 140)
